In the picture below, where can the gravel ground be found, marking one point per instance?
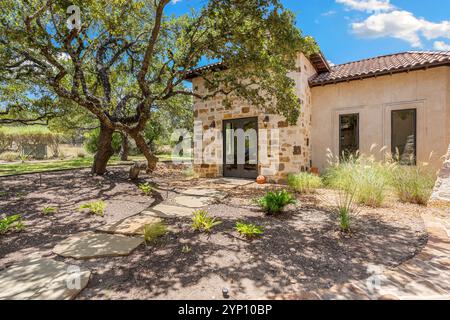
(301, 249)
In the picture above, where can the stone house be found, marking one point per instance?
(400, 102)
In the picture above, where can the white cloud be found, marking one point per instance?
(386, 20)
(397, 24)
(175, 1)
(441, 46)
(368, 5)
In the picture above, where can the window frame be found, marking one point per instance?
(357, 114)
(415, 132)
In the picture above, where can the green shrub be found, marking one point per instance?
(92, 137)
(249, 230)
(96, 207)
(153, 231)
(274, 202)
(49, 210)
(202, 221)
(9, 156)
(413, 184)
(304, 182)
(146, 188)
(11, 223)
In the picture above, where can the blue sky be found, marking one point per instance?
(349, 30)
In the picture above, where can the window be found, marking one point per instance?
(404, 136)
(348, 134)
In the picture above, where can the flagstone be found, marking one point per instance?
(194, 201)
(87, 245)
(346, 291)
(129, 226)
(204, 192)
(168, 211)
(233, 181)
(42, 279)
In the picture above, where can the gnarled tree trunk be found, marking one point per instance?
(123, 154)
(104, 150)
(144, 148)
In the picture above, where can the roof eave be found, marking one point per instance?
(378, 74)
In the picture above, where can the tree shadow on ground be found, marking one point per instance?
(300, 250)
(27, 195)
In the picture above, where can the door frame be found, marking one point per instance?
(224, 122)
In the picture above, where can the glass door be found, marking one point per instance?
(241, 148)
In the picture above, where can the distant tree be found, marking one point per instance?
(127, 58)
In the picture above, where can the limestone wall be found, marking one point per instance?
(290, 153)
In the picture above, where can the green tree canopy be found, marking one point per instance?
(128, 58)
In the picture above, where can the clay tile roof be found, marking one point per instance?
(383, 65)
(318, 61)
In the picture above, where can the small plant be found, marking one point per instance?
(274, 202)
(413, 184)
(23, 158)
(96, 207)
(345, 208)
(49, 210)
(20, 194)
(249, 230)
(11, 223)
(186, 249)
(146, 188)
(202, 221)
(153, 231)
(304, 182)
(3, 194)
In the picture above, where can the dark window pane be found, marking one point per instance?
(348, 134)
(404, 136)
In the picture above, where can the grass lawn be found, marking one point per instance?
(42, 166)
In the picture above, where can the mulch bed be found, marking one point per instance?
(301, 249)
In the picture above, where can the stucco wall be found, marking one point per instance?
(374, 99)
(294, 152)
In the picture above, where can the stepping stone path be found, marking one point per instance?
(129, 226)
(426, 276)
(87, 245)
(42, 279)
(168, 211)
(197, 198)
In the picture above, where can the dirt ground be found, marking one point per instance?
(301, 249)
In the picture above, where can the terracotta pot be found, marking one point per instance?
(261, 180)
(314, 170)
